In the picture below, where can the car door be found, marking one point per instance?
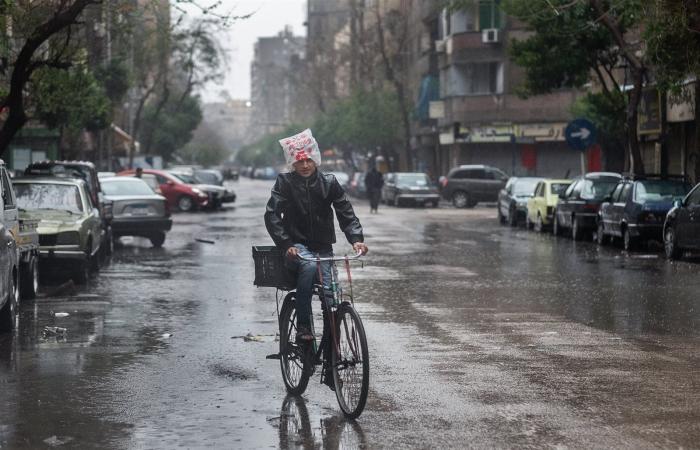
(534, 203)
(611, 210)
(691, 233)
(567, 202)
(493, 183)
(93, 220)
(6, 240)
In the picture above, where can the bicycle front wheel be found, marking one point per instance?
(350, 362)
(293, 357)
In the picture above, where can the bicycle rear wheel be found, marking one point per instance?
(294, 360)
(350, 362)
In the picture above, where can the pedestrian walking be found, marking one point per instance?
(374, 180)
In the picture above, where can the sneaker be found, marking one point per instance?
(304, 336)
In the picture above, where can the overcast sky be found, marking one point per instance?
(269, 18)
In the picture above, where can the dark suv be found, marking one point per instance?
(468, 185)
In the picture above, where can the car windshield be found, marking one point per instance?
(48, 196)
(598, 189)
(189, 179)
(127, 186)
(207, 178)
(412, 179)
(524, 186)
(558, 188)
(657, 190)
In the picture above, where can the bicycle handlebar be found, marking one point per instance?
(331, 258)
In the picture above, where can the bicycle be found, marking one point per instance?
(343, 346)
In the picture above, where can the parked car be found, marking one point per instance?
(577, 209)
(357, 186)
(512, 199)
(540, 207)
(409, 187)
(178, 194)
(19, 271)
(218, 195)
(467, 185)
(264, 173)
(138, 211)
(86, 171)
(637, 208)
(69, 223)
(209, 176)
(681, 229)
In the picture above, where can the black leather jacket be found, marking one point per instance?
(299, 212)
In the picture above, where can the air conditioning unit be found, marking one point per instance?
(440, 46)
(490, 36)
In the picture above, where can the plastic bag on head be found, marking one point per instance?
(299, 147)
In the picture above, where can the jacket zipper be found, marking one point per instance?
(310, 218)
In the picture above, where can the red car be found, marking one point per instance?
(179, 195)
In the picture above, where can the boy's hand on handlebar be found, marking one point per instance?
(360, 247)
(292, 253)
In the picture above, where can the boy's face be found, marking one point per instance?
(305, 167)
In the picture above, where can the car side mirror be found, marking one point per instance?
(170, 182)
(562, 195)
(677, 203)
(607, 199)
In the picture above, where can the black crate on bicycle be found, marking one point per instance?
(270, 270)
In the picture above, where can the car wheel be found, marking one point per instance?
(29, 279)
(671, 244)
(435, 204)
(600, 237)
(556, 228)
(512, 217)
(8, 313)
(539, 225)
(185, 203)
(460, 199)
(501, 217)
(157, 239)
(629, 243)
(576, 232)
(528, 223)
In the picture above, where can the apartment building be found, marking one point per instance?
(479, 118)
(275, 73)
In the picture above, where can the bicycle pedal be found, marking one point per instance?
(273, 356)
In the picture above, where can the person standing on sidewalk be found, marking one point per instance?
(374, 180)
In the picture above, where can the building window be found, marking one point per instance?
(472, 79)
(490, 14)
(460, 21)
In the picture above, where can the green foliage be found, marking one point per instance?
(364, 121)
(173, 128)
(71, 98)
(567, 43)
(672, 35)
(206, 148)
(114, 77)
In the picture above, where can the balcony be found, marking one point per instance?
(469, 47)
(484, 109)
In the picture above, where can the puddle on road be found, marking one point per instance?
(232, 373)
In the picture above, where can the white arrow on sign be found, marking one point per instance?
(583, 133)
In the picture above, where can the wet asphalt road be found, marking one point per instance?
(479, 336)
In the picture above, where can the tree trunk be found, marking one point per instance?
(24, 67)
(636, 161)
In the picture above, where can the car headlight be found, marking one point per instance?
(199, 192)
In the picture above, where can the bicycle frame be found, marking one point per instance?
(329, 308)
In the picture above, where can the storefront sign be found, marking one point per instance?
(497, 133)
(682, 107)
(649, 114)
(447, 138)
(436, 110)
(540, 132)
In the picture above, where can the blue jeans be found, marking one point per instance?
(307, 276)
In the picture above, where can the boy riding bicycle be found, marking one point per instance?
(299, 219)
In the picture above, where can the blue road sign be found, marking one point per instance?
(580, 134)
